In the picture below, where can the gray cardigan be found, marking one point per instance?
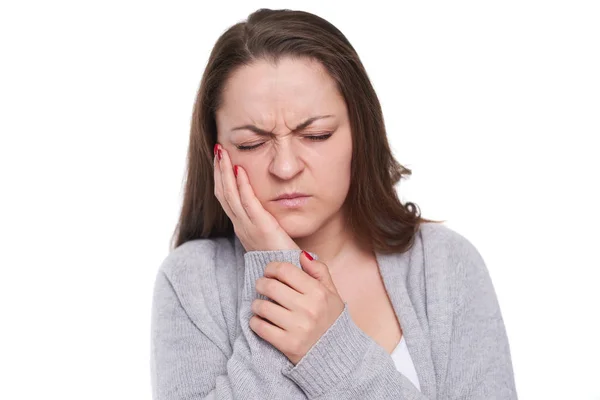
(441, 291)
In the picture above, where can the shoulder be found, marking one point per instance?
(441, 242)
(452, 260)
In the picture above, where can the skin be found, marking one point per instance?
(276, 100)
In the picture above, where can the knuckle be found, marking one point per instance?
(312, 315)
(269, 286)
(270, 266)
(305, 326)
(279, 270)
(228, 194)
(274, 267)
(263, 283)
(260, 307)
(245, 203)
(257, 325)
(320, 295)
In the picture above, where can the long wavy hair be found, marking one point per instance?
(374, 211)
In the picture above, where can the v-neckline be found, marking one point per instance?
(398, 345)
(392, 268)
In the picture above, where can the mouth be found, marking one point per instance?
(292, 201)
(292, 195)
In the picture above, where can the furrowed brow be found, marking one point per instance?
(301, 126)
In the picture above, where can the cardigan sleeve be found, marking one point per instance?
(187, 360)
(347, 364)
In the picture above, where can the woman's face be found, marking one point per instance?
(277, 100)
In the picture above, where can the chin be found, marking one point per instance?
(297, 226)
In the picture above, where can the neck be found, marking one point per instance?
(334, 243)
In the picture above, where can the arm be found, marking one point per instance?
(348, 364)
(187, 361)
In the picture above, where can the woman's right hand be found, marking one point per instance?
(256, 228)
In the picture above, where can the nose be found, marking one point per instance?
(285, 164)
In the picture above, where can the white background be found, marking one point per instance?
(494, 106)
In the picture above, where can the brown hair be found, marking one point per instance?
(374, 211)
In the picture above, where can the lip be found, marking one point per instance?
(294, 202)
(293, 195)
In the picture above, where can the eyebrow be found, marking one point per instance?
(301, 126)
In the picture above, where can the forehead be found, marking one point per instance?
(292, 89)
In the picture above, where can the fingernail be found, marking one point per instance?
(219, 153)
(216, 148)
(235, 170)
(307, 255)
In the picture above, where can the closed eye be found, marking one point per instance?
(315, 138)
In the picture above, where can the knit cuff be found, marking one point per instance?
(332, 359)
(255, 263)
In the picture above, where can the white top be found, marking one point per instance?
(404, 363)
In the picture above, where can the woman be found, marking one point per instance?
(296, 271)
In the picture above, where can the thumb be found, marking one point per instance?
(317, 270)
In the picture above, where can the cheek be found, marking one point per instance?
(334, 181)
(256, 175)
(335, 167)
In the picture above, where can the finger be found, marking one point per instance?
(269, 332)
(272, 312)
(219, 190)
(230, 190)
(250, 202)
(280, 293)
(292, 276)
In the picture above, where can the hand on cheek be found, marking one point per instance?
(256, 228)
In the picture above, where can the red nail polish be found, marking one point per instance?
(219, 153)
(215, 149)
(307, 255)
(235, 167)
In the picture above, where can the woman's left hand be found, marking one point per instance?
(308, 304)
